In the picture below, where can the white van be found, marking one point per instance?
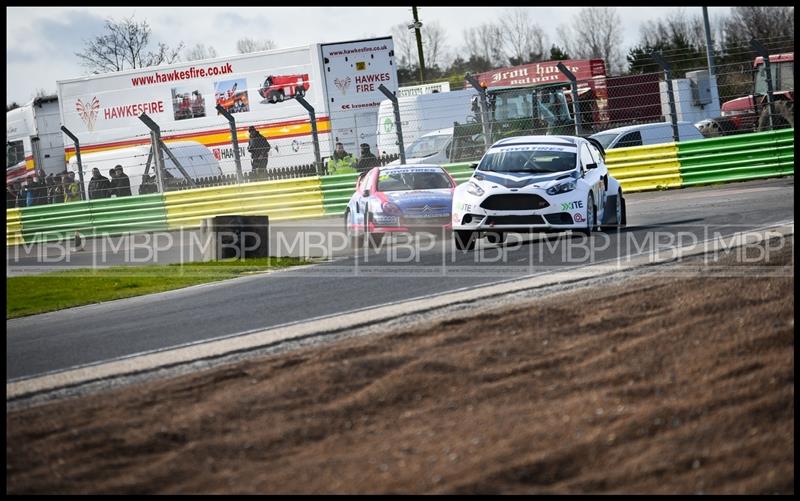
(646, 134)
(432, 148)
(196, 159)
(420, 115)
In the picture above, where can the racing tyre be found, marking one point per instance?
(464, 239)
(624, 221)
(356, 241)
(496, 237)
(591, 217)
(374, 240)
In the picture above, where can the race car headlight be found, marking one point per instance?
(561, 188)
(391, 209)
(474, 189)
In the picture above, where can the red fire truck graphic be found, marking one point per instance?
(277, 88)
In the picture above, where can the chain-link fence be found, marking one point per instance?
(197, 147)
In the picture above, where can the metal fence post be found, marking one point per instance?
(234, 141)
(314, 137)
(78, 158)
(484, 109)
(670, 94)
(155, 139)
(396, 107)
(575, 107)
(762, 51)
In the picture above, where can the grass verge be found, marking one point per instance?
(29, 295)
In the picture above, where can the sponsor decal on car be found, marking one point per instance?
(577, 204)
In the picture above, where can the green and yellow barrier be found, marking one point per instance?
(283, 199)
(640, 168)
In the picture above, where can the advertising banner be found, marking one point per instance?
(353, 71)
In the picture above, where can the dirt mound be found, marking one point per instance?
(659, 385)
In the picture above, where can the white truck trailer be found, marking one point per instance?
(340, 80)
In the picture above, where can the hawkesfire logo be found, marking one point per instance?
(343, 84)
(88, 111)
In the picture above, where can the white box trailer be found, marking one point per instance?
(340, 80)
(33, 139)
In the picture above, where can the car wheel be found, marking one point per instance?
(464, 239)
(496, 237)
(591, 217)
(281, 96)
(624, 222)
(373, 240)
(355, 239)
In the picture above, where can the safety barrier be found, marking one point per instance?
(110, 216)
(671, 165)
(284, 199)
(640, 168)
(736, 158)
(13, 227)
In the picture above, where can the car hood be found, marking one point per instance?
(420, 198)
(520, 179)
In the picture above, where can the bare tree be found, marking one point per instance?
(485, 42)
(433, 43)
(596, 32)
(522, 38)
(772, 26)
(200, 51)
(405, 46)
(125, 45)
(247, 45)
(675, 26)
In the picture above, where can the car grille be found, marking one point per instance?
(425, 221)
(559, 218)
(506, 220)
(424, 211)
(514, 202)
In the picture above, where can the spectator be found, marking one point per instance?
(99, 186)
(259, 150)
(38, 190)
(368, 159)
(26, 194)
(341, 162)
(112, 174)
(72, 192)
(57, 189)
(148, 185)
(120, 184)
(12, 195)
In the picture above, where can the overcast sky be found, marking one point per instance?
(41, 41)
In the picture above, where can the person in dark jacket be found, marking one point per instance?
(99, 186)
(57, 190)
(38, 190)
(368, 159)
(12, 195)
(259, 150)
(121, 184)
(148, 185)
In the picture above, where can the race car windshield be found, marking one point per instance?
(427, 146)
(528, 160)
(406, 181)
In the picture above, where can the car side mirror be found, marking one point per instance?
(473, 166)
(591, 166)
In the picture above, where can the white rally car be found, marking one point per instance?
(537, 184)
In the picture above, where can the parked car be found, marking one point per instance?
(432, 148)
(537, 184)
(401, 198)
(646, 134)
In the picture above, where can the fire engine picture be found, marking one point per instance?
(277, 88)
(232, 95)
(188, 103)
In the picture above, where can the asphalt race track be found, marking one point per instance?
(345, 281)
